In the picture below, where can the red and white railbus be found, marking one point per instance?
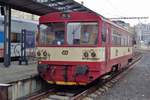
(76, 48)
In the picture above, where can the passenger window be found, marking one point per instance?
(15, 37)
(116, 38)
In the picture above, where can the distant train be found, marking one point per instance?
(17, 25)
(77, 48)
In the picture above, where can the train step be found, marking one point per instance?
(106, 77)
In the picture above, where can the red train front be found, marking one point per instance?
(76, 48)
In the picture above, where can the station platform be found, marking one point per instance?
(17, 72)
(133, 86)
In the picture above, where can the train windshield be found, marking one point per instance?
(82, 33)
(76, 33)
(52, 34)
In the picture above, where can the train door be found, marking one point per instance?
(106, 44)
(108, 38)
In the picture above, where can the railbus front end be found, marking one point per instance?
(69, 51)
(76, 48)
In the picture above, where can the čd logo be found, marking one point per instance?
(65, 52)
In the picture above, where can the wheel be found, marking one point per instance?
(114, 69)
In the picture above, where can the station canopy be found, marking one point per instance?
(42, 7)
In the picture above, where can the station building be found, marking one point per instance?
(143, 35)
(125, 25)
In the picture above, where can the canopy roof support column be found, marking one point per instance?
(7, 35)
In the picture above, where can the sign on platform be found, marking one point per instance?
(30, 39)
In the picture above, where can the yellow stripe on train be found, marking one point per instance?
(66, 83)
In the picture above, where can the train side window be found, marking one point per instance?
(122, 40)
(116, 38)
(130, 41)
(126, 41)
(15, 37)
(119, 39)
(1, 37)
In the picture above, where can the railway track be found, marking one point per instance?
(85, 92)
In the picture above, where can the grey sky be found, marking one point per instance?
(120, 8)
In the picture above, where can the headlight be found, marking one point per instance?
(86, 54)
(93, 54)
(44, 53)
(38, 53)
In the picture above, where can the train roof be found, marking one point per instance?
(71, 16)
(78, 16)
(18, 24)
(116, 25)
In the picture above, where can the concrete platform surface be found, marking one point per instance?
(17, 72)
(134, 86)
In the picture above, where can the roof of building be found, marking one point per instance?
(42, 7)
(29, 6)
